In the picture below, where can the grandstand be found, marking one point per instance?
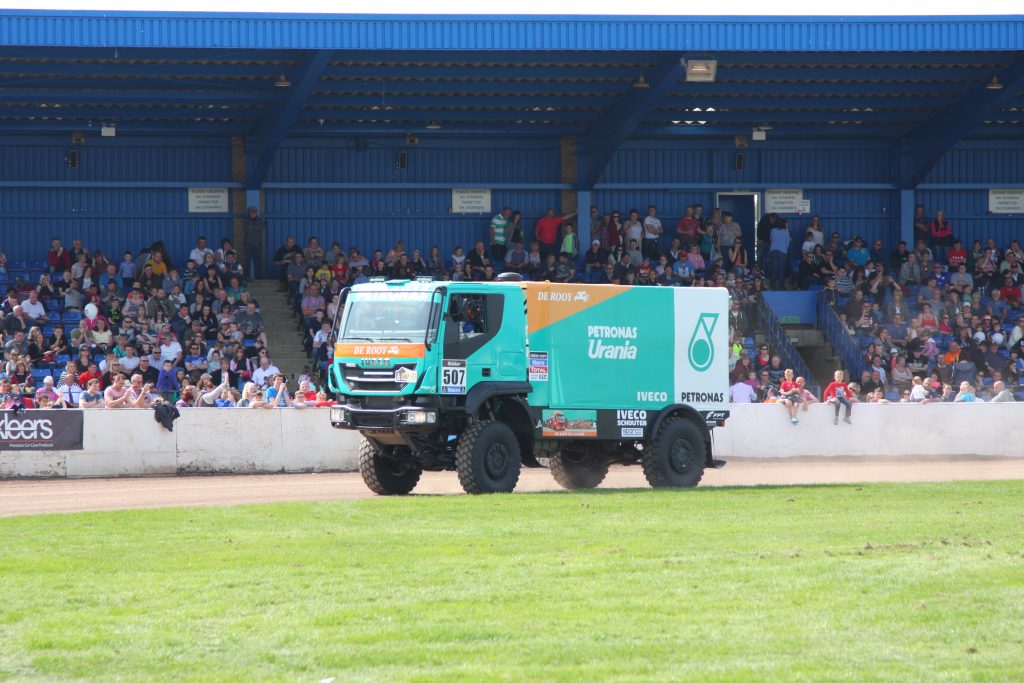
(779, 162)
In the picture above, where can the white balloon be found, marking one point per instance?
(91, 311)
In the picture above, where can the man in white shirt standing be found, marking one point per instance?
(199, 253)
(652, 233)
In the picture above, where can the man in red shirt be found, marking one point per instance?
(686, 228)
(956, 255)
(92, 373)
(58, 258)
(1010, 292)
(546, 231)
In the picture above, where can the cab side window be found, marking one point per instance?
(471, 323)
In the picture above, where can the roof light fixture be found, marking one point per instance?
(994, 84)
(700, 70)
(641, 82)
(282, 82)
(433, 125)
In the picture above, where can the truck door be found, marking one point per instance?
(471, 324)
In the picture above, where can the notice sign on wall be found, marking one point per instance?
(783, 201)
(1006, 201)
(208, 200)
(471, 201)
(49, 430)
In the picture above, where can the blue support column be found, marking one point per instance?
(583, 221)
(618, 123)
(922, 148)
(906, 218)
(280, 117)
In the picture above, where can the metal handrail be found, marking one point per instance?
(781, 345)
(835, 332)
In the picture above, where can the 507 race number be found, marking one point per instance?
(453, 377)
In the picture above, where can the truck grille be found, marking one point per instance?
(373, 379)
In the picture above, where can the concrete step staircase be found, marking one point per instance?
(284, 339)
(817, 352)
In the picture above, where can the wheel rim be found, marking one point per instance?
(396, 468)
(680, 456)
(496, 461)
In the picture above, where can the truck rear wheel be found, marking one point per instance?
(675, 457)
(487, 458)
(578, 467)
(384, 475)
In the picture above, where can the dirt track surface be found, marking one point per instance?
(31, 497)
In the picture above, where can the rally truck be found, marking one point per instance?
(485, 377)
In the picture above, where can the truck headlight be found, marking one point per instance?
(419, 417)
(405, 375)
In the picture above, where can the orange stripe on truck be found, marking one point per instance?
(550, 302)
(382, 350)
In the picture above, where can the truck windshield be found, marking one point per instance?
(387, 316)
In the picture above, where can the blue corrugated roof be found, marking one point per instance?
(472, 32)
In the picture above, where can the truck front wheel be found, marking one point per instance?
(675, 457)
(385, 475)
(487, 458)
(576, 467)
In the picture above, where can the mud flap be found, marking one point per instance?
(718, 464)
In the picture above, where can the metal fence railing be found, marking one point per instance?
(835, 332)
(779, 341)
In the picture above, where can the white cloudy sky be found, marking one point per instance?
(589, 7)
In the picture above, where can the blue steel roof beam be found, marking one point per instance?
(786, 116)
(922, 148)
(141, 70)
(184, 127)
(279, 118)
(729, 130)
(794, 88)
(674, 103)
(517, 72)
(144, 97)
(604, 136)
(456, 100)
(121, 112)
(212, 84)
(639, 58)
(442, 115)
(860, 58)
(401, 87)
(150, 53)
(498, 132)
(767, 72)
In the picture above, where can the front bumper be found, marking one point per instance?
(347, 416)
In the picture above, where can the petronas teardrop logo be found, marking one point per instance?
(701, 352)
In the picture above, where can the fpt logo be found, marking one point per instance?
(701, 351)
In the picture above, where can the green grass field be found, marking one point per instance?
(873, 582)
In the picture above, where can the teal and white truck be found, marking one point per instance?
(485, 377)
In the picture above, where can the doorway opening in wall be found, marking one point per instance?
(745, 208)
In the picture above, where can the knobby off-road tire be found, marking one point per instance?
(676, 456)
(578, 468)
(386, 476)
(487, 458)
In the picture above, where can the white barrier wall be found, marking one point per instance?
(132, 443)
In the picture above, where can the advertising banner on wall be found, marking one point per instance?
(208, 200)
(783, 201)
(45, 430)
(471, 201)
(1006, 201)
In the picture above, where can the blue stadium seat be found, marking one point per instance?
(53, 305)
(63, 358)
(72, 317)
(39, 265)
(248, 342)
(57, 277)
(39, 374)
(892, 395)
